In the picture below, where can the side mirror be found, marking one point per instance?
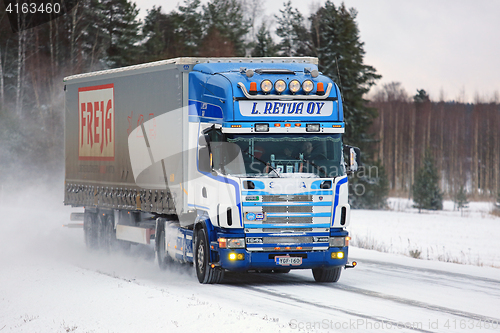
(204, 140)
(353, 158)
(204, 163)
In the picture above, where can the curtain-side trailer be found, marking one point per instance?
(227, 163)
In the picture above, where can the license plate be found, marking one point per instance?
(287, 261)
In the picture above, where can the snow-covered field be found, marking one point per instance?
(50, 283)
(469, 237)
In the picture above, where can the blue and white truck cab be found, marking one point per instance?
(271, 153)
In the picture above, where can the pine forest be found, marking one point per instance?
(393, 128)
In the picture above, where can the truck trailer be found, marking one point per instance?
(230, 164)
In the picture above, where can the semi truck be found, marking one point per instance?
(229, 164)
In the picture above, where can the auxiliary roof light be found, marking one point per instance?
(313, 127)
(280, 86)
(320, 90)
(294, 86)
(261, 127)
(266, 86)
(253, 88)
(307, 86)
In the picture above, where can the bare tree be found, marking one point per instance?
(2, 84)
(21, 58)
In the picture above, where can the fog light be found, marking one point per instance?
(337, 255)
(236, 256)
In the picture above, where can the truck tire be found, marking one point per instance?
(206, 274)
(164, 259)
(327, 274)
(101, 226)
(90, 230)
(108, 233)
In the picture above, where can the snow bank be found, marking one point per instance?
(470, 237)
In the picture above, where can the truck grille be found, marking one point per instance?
(306, 219)
(287, 209)
(287, 198)
(278, 230)
(287, 240)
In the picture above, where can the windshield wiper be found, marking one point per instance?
(263, 162)
(315, 165)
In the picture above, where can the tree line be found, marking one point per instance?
(463, 140)
(102, 34)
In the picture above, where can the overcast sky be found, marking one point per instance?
(447, 47)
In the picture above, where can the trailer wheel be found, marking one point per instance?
(108, 233)
(164, 259)
(327, 274)
(90, 230)
(100, 222)
(205, 273)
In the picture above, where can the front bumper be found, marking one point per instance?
(267, 260)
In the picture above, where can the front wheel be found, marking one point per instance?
(206, 274)
(327, 274)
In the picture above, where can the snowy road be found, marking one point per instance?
(380, 295)
(50, 283)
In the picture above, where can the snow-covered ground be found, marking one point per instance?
(50, 283)
(469, 237)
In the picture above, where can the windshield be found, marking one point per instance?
(318, 155)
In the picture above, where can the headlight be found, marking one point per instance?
(294, 86)
(280, 86)
(266, 86)
(337, 242)
(307, 86)
(232, 243)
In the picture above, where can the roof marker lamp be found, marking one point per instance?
(307, 86)
(279, 86)
(294, 86)
(261, 127)
(320, 90)
(266, 86)
(253, 88)
(313, 127)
